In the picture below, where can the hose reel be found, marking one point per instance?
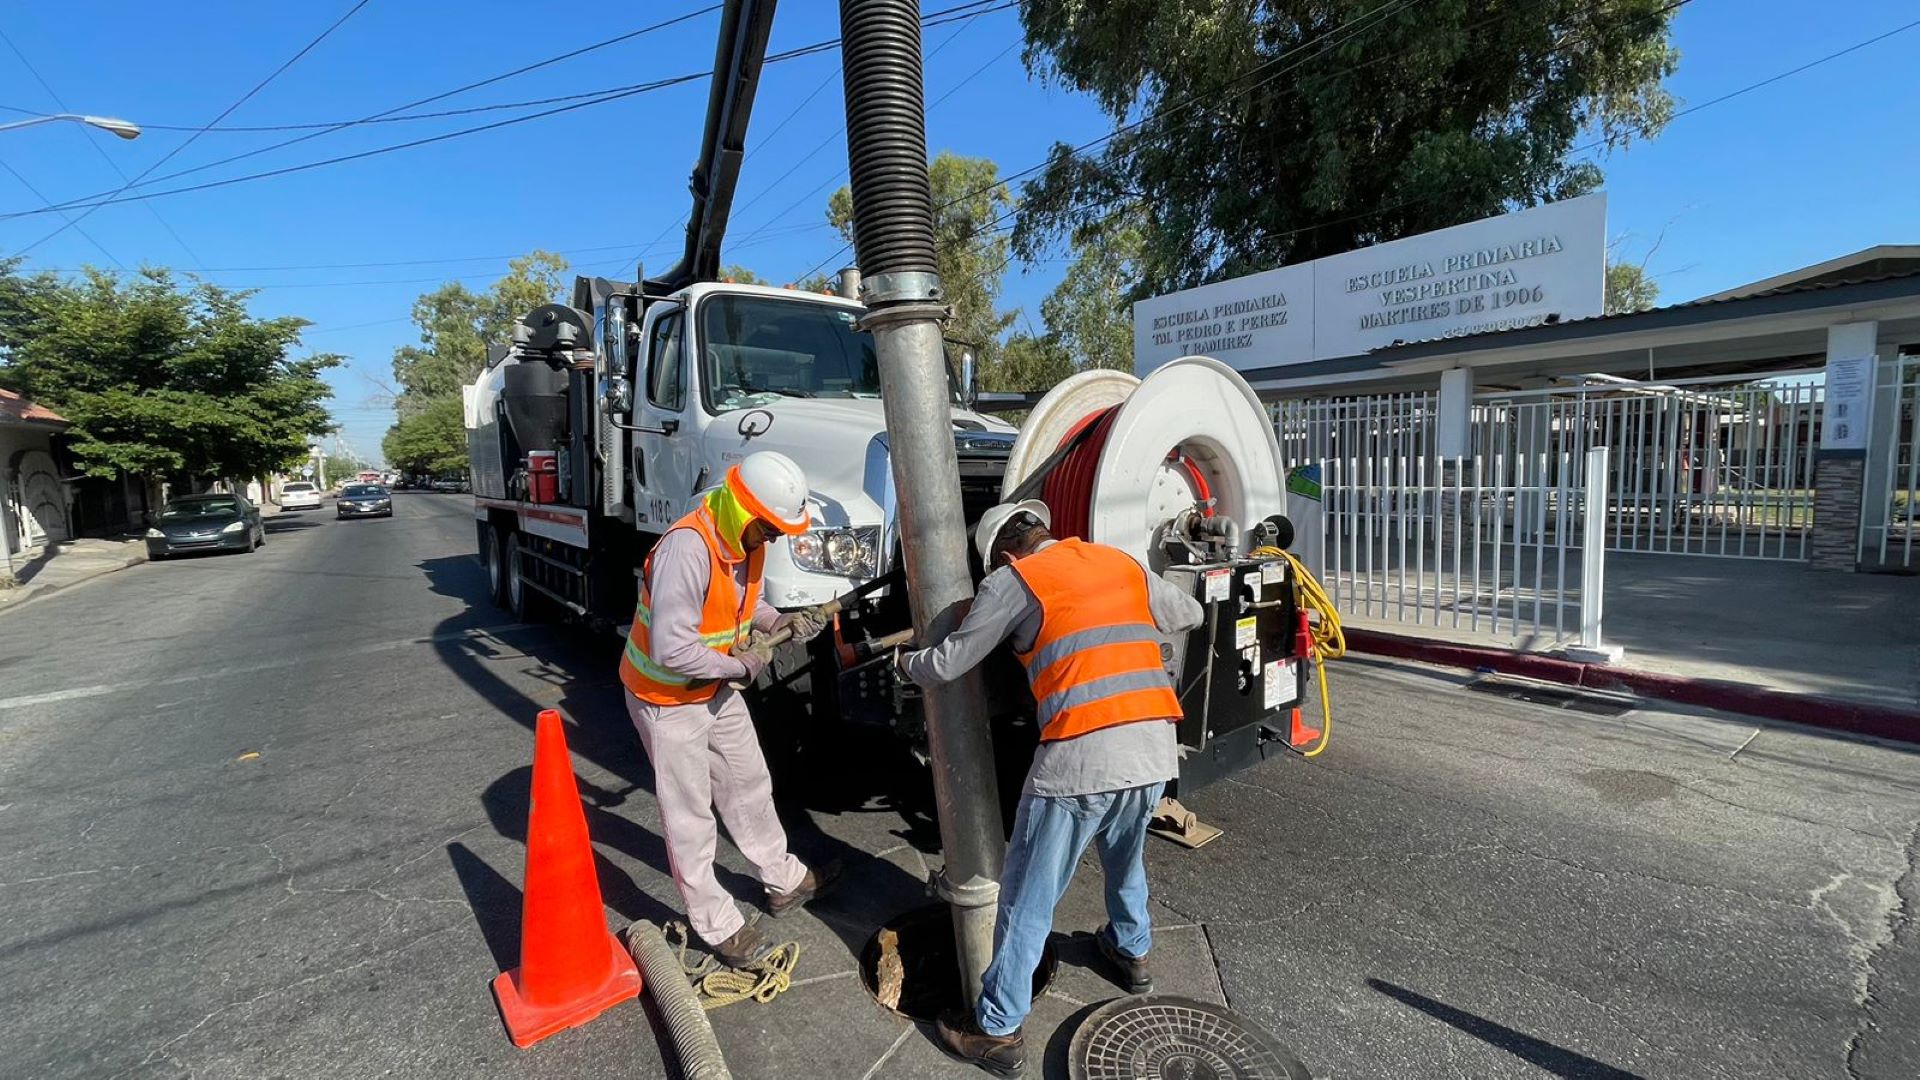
(1117, 458)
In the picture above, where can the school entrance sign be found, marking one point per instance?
(1499, 273)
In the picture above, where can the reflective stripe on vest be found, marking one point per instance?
(725, 618)
(1096, 660)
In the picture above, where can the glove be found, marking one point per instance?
(756, 657)
(806, 623)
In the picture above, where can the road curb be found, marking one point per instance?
(1813, 710)
(27, 594)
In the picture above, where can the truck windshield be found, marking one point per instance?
(760, 348)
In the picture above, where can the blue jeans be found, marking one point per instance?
(1049, 835)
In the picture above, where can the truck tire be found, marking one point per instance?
(492, 544)
(521, 603)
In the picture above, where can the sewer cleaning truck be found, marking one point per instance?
(606, 417)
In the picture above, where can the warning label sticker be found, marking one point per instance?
(1243, 632)
(1272, 572)
(1219, 584)
(1280, 684)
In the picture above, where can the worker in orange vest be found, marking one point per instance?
(699, 602)
(1087, 622)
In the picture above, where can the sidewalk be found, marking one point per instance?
(1766, 638)
(57, 566)
(829, 1024)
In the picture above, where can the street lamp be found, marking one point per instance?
(124, 128)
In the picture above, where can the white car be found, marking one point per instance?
(300, 495)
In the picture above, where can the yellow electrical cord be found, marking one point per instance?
(1329, 641)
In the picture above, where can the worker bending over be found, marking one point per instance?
(699, 600)
(1086, 620)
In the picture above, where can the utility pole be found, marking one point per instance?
(899, 282)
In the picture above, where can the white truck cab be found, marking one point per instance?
(719, 371)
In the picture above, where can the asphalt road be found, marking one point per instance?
(261, 816)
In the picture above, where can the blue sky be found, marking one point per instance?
(1814, 166)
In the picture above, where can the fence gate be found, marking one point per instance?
(1890, 518)
(1489, 543)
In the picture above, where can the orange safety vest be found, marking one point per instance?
(1096, 661)
(725, 619)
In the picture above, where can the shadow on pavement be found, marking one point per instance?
(280, 523)
(1554, 1059)
(581, 669)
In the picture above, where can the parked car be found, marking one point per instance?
(205, 523)
(300, 495)
(363, 500)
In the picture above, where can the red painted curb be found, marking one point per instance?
(1859, 718)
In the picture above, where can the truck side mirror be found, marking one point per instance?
(617, 395)
(969, 378)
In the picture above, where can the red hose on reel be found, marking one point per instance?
(1068, 489)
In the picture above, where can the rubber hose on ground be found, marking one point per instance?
(693, 1040)
(886, 137)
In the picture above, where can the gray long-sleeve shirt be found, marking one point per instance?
(1109, 759)
(677, 586)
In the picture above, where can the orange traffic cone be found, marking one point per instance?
(1299, 734)
(571, 968)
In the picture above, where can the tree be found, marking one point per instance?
(431, 441)
(162, 378)
(1629, 289)
(1027, 363)
(1270, 134)
(456, 326)
(740, 275)
(343, 467)
(968, 201)
(1091, 311)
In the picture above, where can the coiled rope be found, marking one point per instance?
(720, 986)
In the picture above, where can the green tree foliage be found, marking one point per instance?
(1091, 311)
(969, 244)
(740, 275)
(1629, 289)
(1027, 363)
(160, 377)
(432, 441)
(456, 326)
(1284, 130)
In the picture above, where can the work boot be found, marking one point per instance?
(1132, 971)
(812, 887)
(1001, 1055)
(747, 947)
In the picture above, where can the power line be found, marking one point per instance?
(387, 115)
(28, 184)
(244, 98)
(808, 50)
(93, 140)
(766, 227)
(1325, 43)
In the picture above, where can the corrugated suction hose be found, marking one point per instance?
(886, 137)
(693, 1040)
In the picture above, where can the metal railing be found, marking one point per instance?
(1891, 522)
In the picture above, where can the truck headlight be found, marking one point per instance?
(848, 552)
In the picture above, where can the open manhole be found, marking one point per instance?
(1162, 1037)
(1581, 701)
(910, 966)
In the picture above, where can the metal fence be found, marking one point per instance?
(1890, 523)
(1490, 544)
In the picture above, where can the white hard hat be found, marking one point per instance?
(773, 488)
(991, 522)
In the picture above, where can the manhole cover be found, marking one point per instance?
(1161, 1037)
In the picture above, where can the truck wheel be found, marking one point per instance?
(491, 543)
(515, 585)
(526, 603)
